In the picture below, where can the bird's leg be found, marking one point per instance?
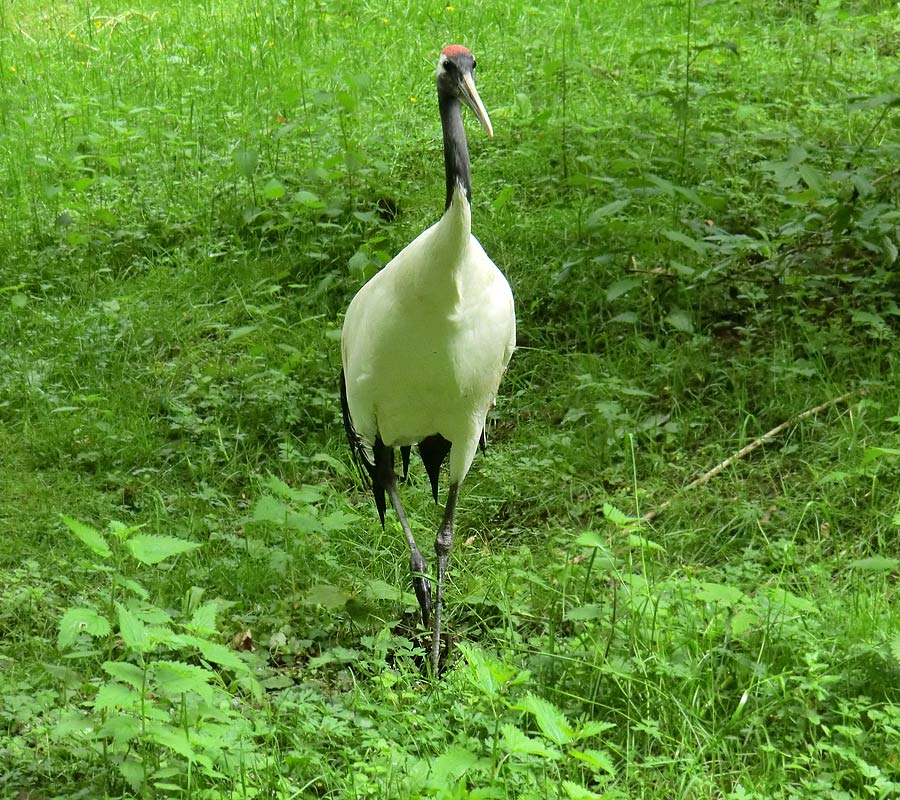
(385, 478)
(417, 565)
(443, 544)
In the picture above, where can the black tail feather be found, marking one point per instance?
(404, 455)
(434, 450)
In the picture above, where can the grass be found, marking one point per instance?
(696, 206)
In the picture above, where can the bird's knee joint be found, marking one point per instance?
(443, 542)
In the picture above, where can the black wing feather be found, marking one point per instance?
(357, 447)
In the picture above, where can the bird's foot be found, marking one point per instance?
(422, 586)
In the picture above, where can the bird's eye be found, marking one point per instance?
(447, 65)
(474, 63)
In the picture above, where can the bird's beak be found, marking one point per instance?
(469, 95)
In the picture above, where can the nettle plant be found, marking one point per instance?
(532, 744)
(164, 713)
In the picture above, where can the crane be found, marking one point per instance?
(425, 343)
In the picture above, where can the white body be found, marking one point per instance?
(426, 341)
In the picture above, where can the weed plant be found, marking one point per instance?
(697, 207)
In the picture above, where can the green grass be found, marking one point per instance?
(696, 206)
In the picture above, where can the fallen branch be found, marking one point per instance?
(746, 450)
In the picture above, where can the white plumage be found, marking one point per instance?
(426, 341)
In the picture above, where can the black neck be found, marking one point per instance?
(456, 150)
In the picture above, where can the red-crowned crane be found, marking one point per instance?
(425, 343)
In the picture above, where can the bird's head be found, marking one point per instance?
(456, 78)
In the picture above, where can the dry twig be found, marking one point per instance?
(746, 450)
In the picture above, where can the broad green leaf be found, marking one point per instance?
(273, 511)
(116, 695)
(812, 178)
(132, 771)
(550, 719)
(730, 46)
(175, 678)
(175, 739)
(780, 598)
(244, 330)
(151, 614)
(126, 672)
(149, 548)
(700, 248)
(89, 535)
(593, 728)
(65, 675)
(132, 586)
(323, 594)
(163, 634)
(203, 620)
(894, 647)
(324, 458)
(359, 263)
(479, 675)
(836, 476)
(217, 653)
(874, 101)
(575, 792)
(270, 509)
(503, 197)
(591, 539)
(377, 589)
(303, 494)
(680, 320)
(72, 723)
(622, 287)
(487, 674)
(122, 531)
(641, 542)
(873, 453)
(515, 741)
(598, 759)
(246, 161)
(121, 728)
(574, 415)
(742, 621)
(273, 190)
(450, 766)
(616, 517)
(720, 593)
(586, 612)
(608, 210)
(338, 520)
(132, 630)
(308, 199)
(672, 189)
(872, 320)
(80, 620)
(334, 655)
(875, 564)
